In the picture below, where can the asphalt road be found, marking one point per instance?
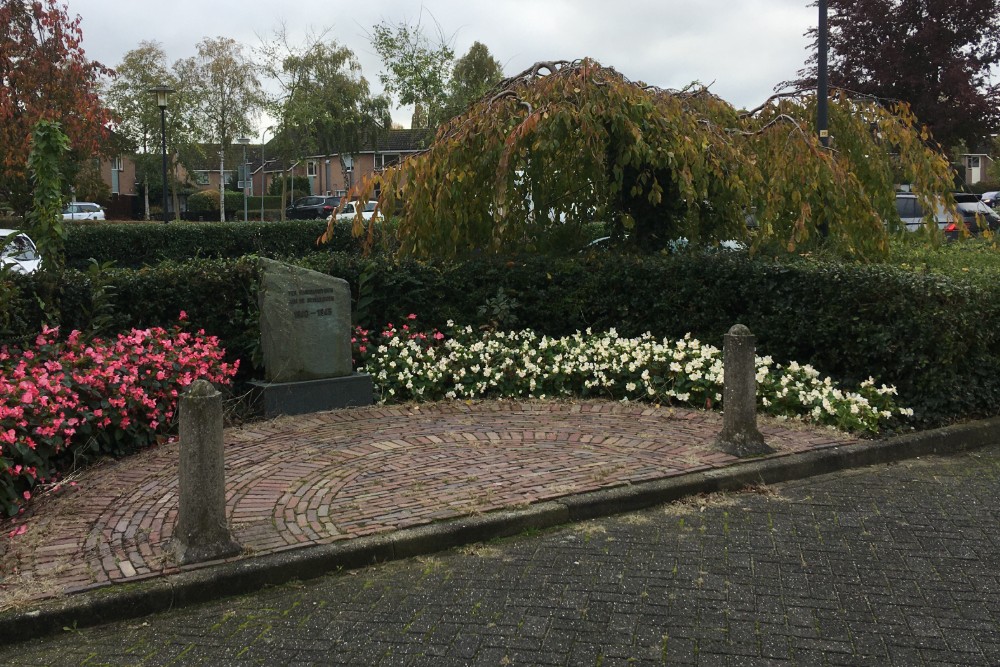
(890, 565)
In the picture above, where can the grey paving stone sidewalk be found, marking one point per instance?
(888, 565)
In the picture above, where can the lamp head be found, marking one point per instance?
(161, 93)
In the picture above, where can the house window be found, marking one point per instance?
(387, 160)
(116, 170)
(973, 162)
(310, 168)
(201, 178)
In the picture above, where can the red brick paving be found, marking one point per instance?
(315, 479)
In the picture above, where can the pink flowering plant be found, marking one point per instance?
(62, 400)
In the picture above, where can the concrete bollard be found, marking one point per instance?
(740, 436)
(202, 532)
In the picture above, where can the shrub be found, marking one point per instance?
(204, 205)
(407, 364)
(298, 186)
(61, 400)
(932, 336)
(203, 200)
(984, 186)
(137, 244)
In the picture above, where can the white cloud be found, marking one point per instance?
(745, 48)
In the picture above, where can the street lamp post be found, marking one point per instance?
(161, 101)
(263, 173)
(243, 183)
(822, 94)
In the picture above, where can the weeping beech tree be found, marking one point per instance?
(566, 143)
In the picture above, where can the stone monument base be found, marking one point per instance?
(298, 398)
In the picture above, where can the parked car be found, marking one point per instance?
(83, 210)
(975, 215)
(18, 253)
(991, 199)
(351, 209)
(309, 208)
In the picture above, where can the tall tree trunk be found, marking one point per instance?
(222, 186)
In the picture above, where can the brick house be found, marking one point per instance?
(978, 165)
(334, 174)
(331, 174)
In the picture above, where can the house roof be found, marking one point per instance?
(406, 140)
(207, 157)
(393, 141)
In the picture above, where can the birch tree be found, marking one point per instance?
(224, 94)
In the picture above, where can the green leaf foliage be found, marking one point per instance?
(566, 143)
(417, 69)
(48, 146)
(929, 326)
(135, 245)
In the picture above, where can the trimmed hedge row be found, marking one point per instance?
(149, 243)
(934, 338)
(219, 296)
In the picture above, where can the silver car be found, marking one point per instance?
(975, 215)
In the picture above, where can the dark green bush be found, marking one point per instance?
(934, 337)
(148, 243)
(298, 186)
(208, 200)
(219, 296)
(984, 186)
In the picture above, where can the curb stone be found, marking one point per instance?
(214, 580)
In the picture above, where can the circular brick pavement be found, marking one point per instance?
(318, 478)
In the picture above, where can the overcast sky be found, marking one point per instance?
(741, 48)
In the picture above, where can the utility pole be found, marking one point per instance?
(822, 94)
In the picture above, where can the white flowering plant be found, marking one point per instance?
(462, 363)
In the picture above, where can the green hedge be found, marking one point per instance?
(218, 295)
(935, 338)
(208, 200)
(984, 186)
(148, 243)
(206, 203)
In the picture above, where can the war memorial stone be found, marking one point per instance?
(305, 328)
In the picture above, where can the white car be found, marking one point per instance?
(18, 253)
(83, 210)
(351, 209)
